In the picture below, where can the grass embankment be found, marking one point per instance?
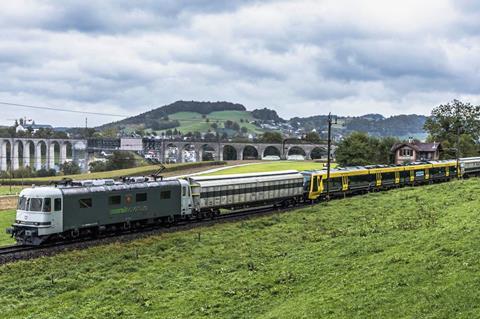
(412, 252)
(7, 217)
(270, 167)
(142, 170)
(10, 190)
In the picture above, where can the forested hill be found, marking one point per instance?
(193, 116)
(374, 124)
(162, 113)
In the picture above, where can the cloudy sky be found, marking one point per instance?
(299, 57)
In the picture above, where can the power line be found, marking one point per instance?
(61, 110)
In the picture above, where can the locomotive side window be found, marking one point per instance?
(141, 197)
(57, 204)
(165, 195)
(115, 200)
(85, 202)
(47, 205)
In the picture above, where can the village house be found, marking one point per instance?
(414, 151)
(29, 125)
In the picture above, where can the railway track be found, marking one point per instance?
(19, 252)
(12, 249)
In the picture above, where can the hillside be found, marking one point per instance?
(191, 117)
(374, 124)
(161, 114)
(196, 122)
(407, 253)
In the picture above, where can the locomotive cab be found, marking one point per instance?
(39, 214)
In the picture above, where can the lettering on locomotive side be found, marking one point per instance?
(126, 210)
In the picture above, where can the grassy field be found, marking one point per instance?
(142, 170)
(192, 121)
(7, 217)
(10, 190)
(270, 167)
(412, 252)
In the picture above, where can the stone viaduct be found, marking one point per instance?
(38, 153)
(234, 151)
(50, 153)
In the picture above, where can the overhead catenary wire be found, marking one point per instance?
(55, 109)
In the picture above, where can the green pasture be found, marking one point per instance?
(192, 121)
(10, 190)
(7, 218)
(142, 170)
(406, 253)
(270, 167)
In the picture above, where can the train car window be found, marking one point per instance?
(36, 204)
(85, 202)
(336, 183)
(47, 205)
(115, 200)
(315, 184)
(57, 204)
(388, 176)
(141, 197)
(184, 191)
(165, 195)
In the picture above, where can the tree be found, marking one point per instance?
(43, 172)
(455, 117)
(271, 137)
(244, 130)
(70, 168)
(214, 126)
(361, 149)
(97, 166)
(455, 120)
(121, 160)
(312, 137)
(111, 132)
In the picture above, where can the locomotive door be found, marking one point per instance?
(186, 198)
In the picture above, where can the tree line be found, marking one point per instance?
(456, 125)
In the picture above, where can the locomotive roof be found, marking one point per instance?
(41, 192)
(117, 187)
(45, 191)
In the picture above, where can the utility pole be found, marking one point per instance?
(457, 151)
(329, 149)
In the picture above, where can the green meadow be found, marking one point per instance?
(406, 253)
(194, 122)
(271, 167)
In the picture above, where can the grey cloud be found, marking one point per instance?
(134, 55)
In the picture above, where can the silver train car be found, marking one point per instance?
(212, 193)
